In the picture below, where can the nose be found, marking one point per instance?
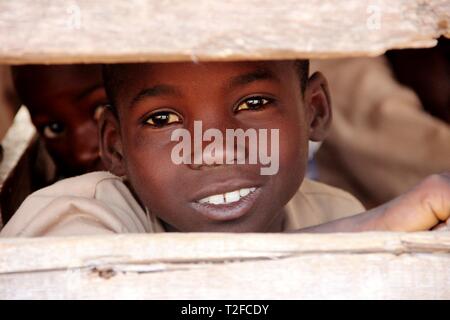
(85, 146)
(215, 144)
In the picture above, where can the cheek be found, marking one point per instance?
(293, 146)
(150, 169)
(59, 150)
(293, 156)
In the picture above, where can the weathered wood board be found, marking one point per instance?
(19, 147)
(53, 31)
(228, 266)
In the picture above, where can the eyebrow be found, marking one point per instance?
(240, 80)
(155, 91)
(88, 91)
(258, 75)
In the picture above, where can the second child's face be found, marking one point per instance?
(65, 102)
(156, 99)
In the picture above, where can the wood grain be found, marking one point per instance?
(52, 31)
(228, 266)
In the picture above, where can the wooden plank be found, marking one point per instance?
(24, 167)
(52, 31)
(228, 266)
(16, 166)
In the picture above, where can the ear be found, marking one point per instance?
(111, 150)
(318, 106)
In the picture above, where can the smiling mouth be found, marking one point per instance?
(227, 198)
(229, 205)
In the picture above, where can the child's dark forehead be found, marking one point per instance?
(131, 78)
(133, 71)
(38, 81)
(53, 73)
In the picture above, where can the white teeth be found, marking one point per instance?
(228, 197)
(232, 196)
(244, 192)
(217, 199)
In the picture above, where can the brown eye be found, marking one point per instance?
(163, 118)
(253, 103)
(53, 130)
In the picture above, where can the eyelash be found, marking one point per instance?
(176, 118)
(55, 129)
(52, 133)
(168, 113)
(266, 101)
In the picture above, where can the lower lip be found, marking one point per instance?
(227, 211)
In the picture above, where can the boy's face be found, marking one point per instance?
(156, 99)
(64, 102)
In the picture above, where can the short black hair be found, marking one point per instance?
(113, 79)
(302, 67)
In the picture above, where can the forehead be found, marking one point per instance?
(181, 69)
(42, 84)
(188, 75)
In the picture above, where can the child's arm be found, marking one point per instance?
(425, 207)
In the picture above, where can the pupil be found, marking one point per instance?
(161, 119)
(254, 103)
(56, 127)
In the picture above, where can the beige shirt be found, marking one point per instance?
(100, 203)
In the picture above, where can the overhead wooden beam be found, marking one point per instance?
(93, 31)
(228, 266)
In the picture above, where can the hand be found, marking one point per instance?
(425, 207)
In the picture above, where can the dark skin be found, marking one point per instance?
(156, 99)
(65, 102)
(218, 94)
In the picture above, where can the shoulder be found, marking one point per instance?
(97, 202)
(83, 186)
(316, 203)
(314, 189)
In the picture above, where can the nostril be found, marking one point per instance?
(216, 157)
(206, 165)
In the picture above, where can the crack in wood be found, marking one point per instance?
(107, 270)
